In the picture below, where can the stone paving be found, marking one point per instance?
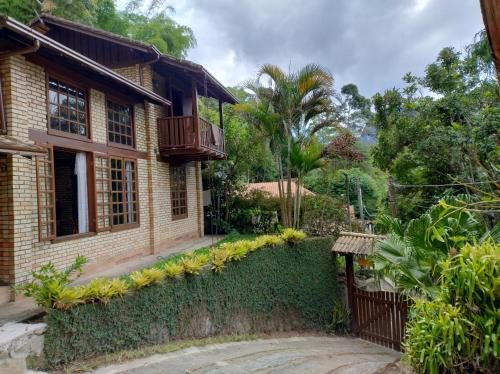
(286, 355)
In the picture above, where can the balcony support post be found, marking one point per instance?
(221, 116)
(194, 102)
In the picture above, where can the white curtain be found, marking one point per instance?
(83, 197)
(129, 187)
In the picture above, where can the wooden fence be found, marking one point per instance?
(380, 317)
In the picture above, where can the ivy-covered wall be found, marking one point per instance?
(273, 289)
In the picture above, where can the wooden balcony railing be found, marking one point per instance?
(190, 138)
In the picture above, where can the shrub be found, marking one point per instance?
(322, 215)
(219, 258)
(293, 236)
(263, 292)
(50, 286)
(173, 269)
(193, 263)
(103, 289)
(255, 212)
(458, 331)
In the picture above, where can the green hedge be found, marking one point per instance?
(280, 288)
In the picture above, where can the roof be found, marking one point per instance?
(45, 41)
(153, 51)
(272, 188)
(11, 145)
(355, 243)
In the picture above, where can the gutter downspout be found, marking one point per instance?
(150, 62)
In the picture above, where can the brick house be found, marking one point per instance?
(101, 146)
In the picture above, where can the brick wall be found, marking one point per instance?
(25, 106)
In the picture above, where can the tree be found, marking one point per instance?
(292, 107)
(442, 128)
(354, 109)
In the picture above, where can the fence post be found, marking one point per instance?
(351, 302)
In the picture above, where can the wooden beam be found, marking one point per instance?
(221, 114)
(194, 103)
(491, 18)
(351, 302)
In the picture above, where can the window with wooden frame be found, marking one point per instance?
(102, 191)
(46, 196)
(123, 181)
(178, 188)
(67, 108)
(120, 124)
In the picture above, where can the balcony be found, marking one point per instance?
(190, 138)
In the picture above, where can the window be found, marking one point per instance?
(123, 192)
(120, 127)
(67, 108)
(178, 187)
(102, 189)
(63, 194)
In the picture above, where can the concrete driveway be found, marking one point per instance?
(287, 355)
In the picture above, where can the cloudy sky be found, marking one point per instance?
(372, 43)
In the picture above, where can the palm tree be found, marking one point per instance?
(300, 103)
(305, 158)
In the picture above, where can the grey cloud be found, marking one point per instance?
(372, 43)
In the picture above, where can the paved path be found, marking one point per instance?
(288, 355)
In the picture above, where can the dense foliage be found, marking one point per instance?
(51, 288)
(459, 330)
(441, 128)
(288, 286)
(412, 253)
(148, 22)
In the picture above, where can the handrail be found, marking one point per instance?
(180, 132)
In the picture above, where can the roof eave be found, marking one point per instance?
(20, 28)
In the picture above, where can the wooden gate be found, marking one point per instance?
(380, 317)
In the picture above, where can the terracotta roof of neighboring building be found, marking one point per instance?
(11, 145)
(83, 61)
(355, 243)
(272, 188)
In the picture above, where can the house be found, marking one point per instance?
(101, 144)
(272, 189)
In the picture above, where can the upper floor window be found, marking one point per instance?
(120, 125)
(67, 108)
(3, 125)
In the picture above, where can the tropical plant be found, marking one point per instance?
(290, 108)
(219, 258)
(458, 331)
(50, 284)
(103, 289)
(411, 254)
(193, 263)
(173, 269)
(293, 236)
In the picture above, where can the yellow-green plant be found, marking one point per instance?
(193, 263)
(154, 274)
(269, 241)
(139, 279)
(293, 236)
(458, 330)
(238, 250)
(219, 257)
(68, 297)
(173, 269)
(50, 285)
(103, 289)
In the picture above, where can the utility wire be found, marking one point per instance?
(443, 185)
